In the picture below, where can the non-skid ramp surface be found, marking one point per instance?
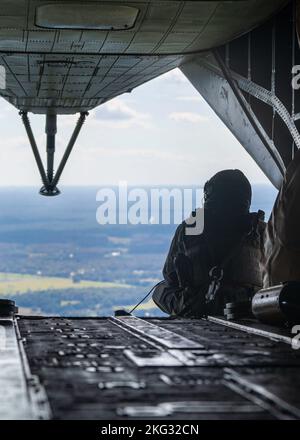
(128, 368)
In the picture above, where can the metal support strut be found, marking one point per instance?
(49, 179)
(51, 130)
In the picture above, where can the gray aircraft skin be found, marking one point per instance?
(66, 57)
(69, 57)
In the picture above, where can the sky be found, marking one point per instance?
(163, 133)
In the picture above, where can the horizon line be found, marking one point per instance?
(129, 185)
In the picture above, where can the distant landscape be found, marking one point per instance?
(55, 258)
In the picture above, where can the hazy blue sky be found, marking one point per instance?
(161, 133)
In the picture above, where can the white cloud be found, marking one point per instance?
(7, 108)
(115, 113)
(119, 114)
(16, 142)
(190, 98)
(175, 76)
(138, 153)
(187, 117)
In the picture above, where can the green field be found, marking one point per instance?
(147, 306)
(18, 284)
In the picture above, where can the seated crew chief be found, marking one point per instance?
(222, 264)
(282, 238)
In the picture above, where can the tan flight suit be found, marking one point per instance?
(282, 238)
